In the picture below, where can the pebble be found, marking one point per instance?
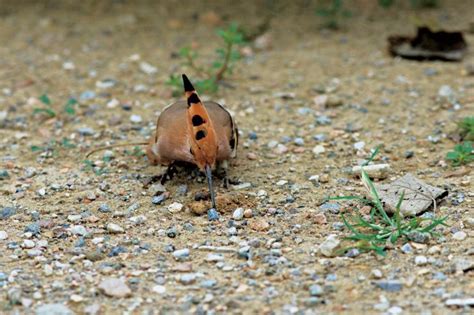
(181, 254)
(33, 228)
(160, 289)
(406, 248)
(136, 119)
(114, 287)
(460, 302)
(331, 207)
(329, 246)
(104, 208)
(379, 171)
(389, 285)
(187, 278)
(377, 273)
(212, 215)
(115, 228)
(53, 309)
(318, 149)
(3, 235)
(175, 207)
(158, 200)
(148, 68)
(259, 225)
(242, 186)
(7, 212)
(421, 260)
(359, 145)
(238, 214)
(460, 236)
(248, 213)
(78, 230)
(316, 290)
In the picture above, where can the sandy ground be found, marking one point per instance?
(68, 50)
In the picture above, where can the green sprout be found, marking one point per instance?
(332, 14)
(466, 128)
(46, 109)
(90, 167)
(462, 154)
(221, 67)
(69, 107)
(378, 230)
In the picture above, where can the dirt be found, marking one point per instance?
(64, 49)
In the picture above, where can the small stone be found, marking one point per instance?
(188, 278)
(114, 287)
(320, 218)
(259, 225)
(158, 200)
(181, 254)
(238, 214)
(406, 248)
(359, 145)
(248, 213)
(316, 290)
(136, 119)
(318, 149)
(330, 207)
(460, 236)
(76, 298)
(242, 186)
(160, 289)
(148, 68)
(104, 208)
(7, 212)
(421, 260)
(389, 285)
(212, 215)
(53, 309)
(33, 228)
(28, 244)
(115, 228)
(3, 235)
(78, 230)
(377, 273)
(329, 246)
(379, 171)
(460, 302)
(175, 207)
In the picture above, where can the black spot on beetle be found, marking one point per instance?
(193, 99)
(200, 134)
(197, 120)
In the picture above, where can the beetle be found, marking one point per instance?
(191, 131)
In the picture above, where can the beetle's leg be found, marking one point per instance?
(221, 173)
(169, 173)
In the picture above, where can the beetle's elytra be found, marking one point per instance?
(200, 133)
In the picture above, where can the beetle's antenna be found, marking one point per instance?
(211, 188)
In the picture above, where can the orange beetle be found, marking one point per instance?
(200, 133)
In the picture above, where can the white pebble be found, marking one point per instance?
(460, 236)
(175, 207)
(3, 235)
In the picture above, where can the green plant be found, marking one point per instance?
(53, 146)
(462, 154)
(47, 109)
(332, 13)
(69, 107)
(222, 66)
(379, 230)
(137, 151)
(424, 4)
(90, 167)
(466, 128)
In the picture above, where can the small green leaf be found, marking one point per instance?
(45, 99)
